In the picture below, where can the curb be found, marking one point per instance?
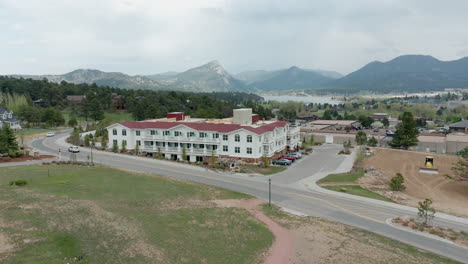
(389, 222)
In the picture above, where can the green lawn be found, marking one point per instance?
(342, 177)
(104, 215)
(358, 190)
(113, 117)
(34, 131)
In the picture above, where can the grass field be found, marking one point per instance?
(357, 190)
(342, 177)
(34, 131)
(113, 117)
(104, 215)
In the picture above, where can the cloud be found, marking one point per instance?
(147, 36)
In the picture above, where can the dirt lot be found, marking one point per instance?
(448, 195)
(320, 241)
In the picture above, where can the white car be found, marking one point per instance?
(297, 155)
(50, 134)
(74, 149)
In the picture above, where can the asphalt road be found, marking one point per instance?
(293, 189)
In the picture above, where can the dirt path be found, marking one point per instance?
(282, 250)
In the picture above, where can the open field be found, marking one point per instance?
(342, 177)
(34, 131)
(113, 117)
(448, 195)
(104, 215)
(321, 241)
(347, 183)
(357, 190)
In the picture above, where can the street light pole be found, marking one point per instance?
(269, 192)
(92, 144)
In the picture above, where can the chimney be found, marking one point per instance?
(179, 116)
(242, 116)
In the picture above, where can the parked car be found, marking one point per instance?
(283, 162)
(289, 157)
(50, 134)
(297, 155)
(74, 149)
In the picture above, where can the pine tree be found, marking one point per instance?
(372, 142)
(397, 183)
(406, 134)
(361, 138)
(8, 143)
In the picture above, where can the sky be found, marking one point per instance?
(153, 36)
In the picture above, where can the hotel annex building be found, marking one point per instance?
(242, 137)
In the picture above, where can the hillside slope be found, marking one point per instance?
(408, 73)
(113, 79)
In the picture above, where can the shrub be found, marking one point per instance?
(397, 183)
(19, 182)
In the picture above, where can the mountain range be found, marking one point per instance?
(407, 73)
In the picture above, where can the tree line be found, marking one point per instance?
(142, 104)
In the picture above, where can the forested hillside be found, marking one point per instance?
(142, 104)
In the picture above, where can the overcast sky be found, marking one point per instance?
(152, 36)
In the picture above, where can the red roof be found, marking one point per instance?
(222, 128)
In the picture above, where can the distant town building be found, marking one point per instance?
(40, 102)
(116, 99)
(242, 137)
(380, 116)
(332, 125)
(459, 127)
(7, 117)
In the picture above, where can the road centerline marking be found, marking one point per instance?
(337, 206)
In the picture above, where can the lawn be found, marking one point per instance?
(342, 177)
(113, 117)
(34, 131)
(357, 190)
(104, 215)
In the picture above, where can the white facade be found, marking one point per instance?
(7, 117)
(171, 138)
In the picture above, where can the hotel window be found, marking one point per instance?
(124, 142)
(237, 138)
(153, 132)
(115, 142)
(178, 134)
(191, 134)
(137, 132)
(237, 149)
(249, 138)
(203, 134)
(114, 132)
(167, 133)
(225, 148)
(138, 142)
(249, 150)
(215, 135)
(225, 137)
(124, 132)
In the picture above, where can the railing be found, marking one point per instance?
(198, 150)
(171, 149)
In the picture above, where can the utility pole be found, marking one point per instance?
(269, 192)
